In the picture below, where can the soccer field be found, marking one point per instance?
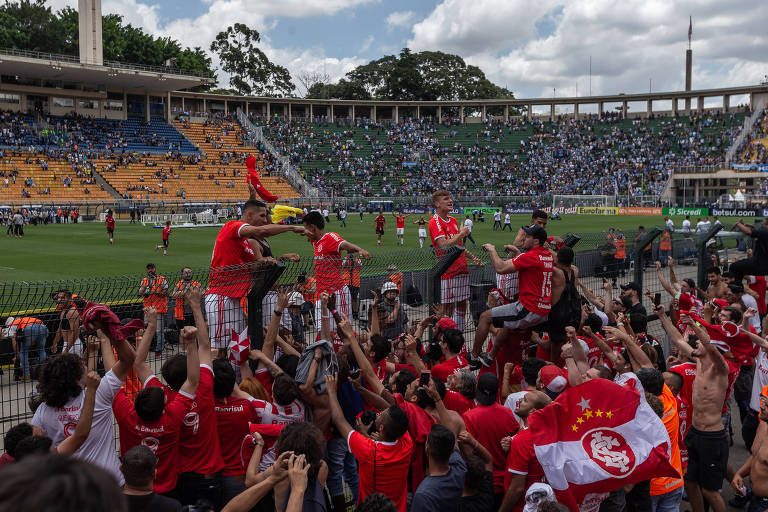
(62, 251)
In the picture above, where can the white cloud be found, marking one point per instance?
(366, 44)
(400, 19)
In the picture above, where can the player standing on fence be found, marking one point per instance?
(231, 266)
(166, 235)
(110, 223)
(329, 264)
(444, 232)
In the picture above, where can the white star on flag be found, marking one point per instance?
(584, 404)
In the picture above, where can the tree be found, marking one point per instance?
(309, 79)
(251, 71)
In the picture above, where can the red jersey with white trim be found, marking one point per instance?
(268, 413)
(595, 354)
(231, 249)
(448, 229)
(534, 269)
(380, 220)
(400, 221)
(161, 436)
(233, 418)
(383, 466)
(110, 222)
(521, 460)
(166, 232)
(454, 401)
(443, 370)
(759, 285)
(687, 371)
(328, 263)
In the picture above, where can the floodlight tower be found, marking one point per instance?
(89, 20)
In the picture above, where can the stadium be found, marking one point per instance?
(328, 290)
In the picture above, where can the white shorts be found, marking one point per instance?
(400, 231)
(454, 289)
(268, 304)
(343, 305)
(77, 347)
(224, 316)
(422, 233)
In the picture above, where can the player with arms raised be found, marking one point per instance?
(400, 227)
(444, 232)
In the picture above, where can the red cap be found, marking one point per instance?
(685, 302)
(721, 303)
(554, 378)
(446, 323)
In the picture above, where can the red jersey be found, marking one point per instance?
(383, 466)
(594, 354)
(380, 220)
(199, 450)
(328, 263)
(400, 221)
(448, 229)
(161, 436)
(758, 284)
(233, 418)
(443, 370)
(687, 371)
(166, 232)
(419, 424)
(231, 249)
(534, 270)
(489, 424)
(521, 460)
(110, 222)
(454, 401)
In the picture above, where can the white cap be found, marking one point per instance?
(9, 321)
(295, 299)
(389, 286)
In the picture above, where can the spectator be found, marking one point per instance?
(441, 489)
(139, 467)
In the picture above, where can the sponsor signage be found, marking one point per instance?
(732, 212)
(519, 211)
(764, 213)
(562, 210)
(639, 210)
(597, 210)
(686, 211)
(480, 209)
(417, 209)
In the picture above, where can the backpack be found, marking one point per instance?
(567, 311)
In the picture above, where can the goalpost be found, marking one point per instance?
(569, 203)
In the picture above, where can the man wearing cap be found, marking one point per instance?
(633, 292)
(489, 423)
(757, 265)
(295, 303)
(451, 344)
(396, 320)
(534, 268)
(756, 465)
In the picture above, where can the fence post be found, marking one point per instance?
(640, 246)
(263, 281)
(443, 264)
(701, 248)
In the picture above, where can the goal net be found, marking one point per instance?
(570, 204)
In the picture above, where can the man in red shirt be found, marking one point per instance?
(451, 344)
(444, 232)
(231, 267)
(489, 423)
(152, 422)
(534, 268)
(383, 464)
(166, 234)
(523, 469)
(400, 226)
(329, 264)
(110, 223)
(380, 221)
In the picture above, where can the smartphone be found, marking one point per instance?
(426, 375)
(656, 299)
(354, 374)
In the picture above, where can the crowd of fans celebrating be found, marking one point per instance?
(406, 414)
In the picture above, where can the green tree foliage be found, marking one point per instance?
(423, 76)
(251, 72)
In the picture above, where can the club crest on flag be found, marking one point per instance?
(609, 450)
(239, 347)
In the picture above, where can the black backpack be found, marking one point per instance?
(567, 311)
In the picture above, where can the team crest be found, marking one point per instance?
(609, 450)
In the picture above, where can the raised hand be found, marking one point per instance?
(297, 473)
(192, 294)
(92, 380)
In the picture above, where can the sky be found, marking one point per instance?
(535, 49)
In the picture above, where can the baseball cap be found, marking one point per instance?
(721, 303)
(9, 321)
(295, 299)
(487, 389)
(553, 378)
(445, 323)
(632, 286)
(537, 232)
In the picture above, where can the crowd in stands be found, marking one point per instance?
(753, 148)
(414, 414)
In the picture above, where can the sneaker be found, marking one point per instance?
(475, 363)
(486, 359)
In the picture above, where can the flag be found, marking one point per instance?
(239, 347)
(596, 438)
(253, 179)
(98, 316)
(729, 337)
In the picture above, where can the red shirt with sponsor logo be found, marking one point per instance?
(380, 220)
(400, 221)
(161, 436)
(199, 450)
(110, 222)
(230, 276)
(328, 263)
(448, 229)
(489, 424)
(521, 460)
(595, 354)
(166, 232)
(442, 370)
(534, 269)
(233, 418)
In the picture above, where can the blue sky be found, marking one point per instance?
(529, 47)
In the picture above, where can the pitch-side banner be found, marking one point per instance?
(597, 210)
(701, 212)
(733, 212)
(639, 210)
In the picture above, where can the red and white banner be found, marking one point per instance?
(729, 337)
(596, 438)
(239, 347)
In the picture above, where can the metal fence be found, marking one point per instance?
(418, 275)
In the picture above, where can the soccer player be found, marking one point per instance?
(468, 224)
(444, 232)
(535, 268)
(231, 267)
(497, 220)
(110, 223)
(329, 264)
(422, 230)
(380, 221)
(166, 234)
(507, 222)
(400, 226)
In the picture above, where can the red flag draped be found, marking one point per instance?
(253, 179)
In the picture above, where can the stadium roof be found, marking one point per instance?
(68, 68)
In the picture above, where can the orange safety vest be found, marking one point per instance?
(178, 309)
(352, 272)
(159, 302)
(25, 321)
(306, 289)
(666, 242)
(397, 278)
(621, 249)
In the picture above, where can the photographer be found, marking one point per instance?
(395, 321)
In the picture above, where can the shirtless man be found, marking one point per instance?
(69, 324)
(756, 466)
(707, 441)
(537, 217)
(718, 288)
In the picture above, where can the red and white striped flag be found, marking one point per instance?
(598, 437)
(239, 347)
